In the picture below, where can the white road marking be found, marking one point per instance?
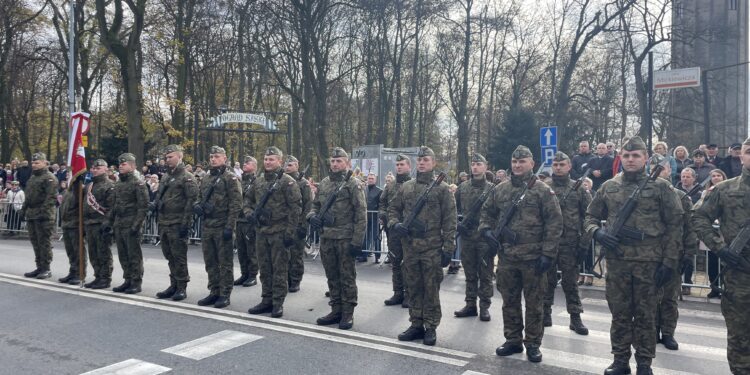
(130, 367)
(683, 312)
(216, 343)
(469, 372)
(682, 328)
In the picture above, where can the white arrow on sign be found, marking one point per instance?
(548, 135)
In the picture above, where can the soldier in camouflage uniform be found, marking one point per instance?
(574, 244)
(219, 204)
(636, 269)
(69, 218)
(99, 201)
(39, 212)
(174, 201)
(476, 256)
(524, 264)
(729, 202)
(425, 253)
(297, 252)
(276, 231)
(342, 230)
(395, 248)
(130, 206)
(666, 308)
(246, 232)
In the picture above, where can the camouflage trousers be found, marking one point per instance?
(246, 255)
(423, 275)
(567, 263)
(40, 233)
(70, 239)
(174, 249)
(735, 303)
(631, 296)
(218, 256)
(475, 257)
(513, 279)
(666, 307)
(340, 273)
(130, 254)
(297, 261)
(396, 254)
(99, 252)
(273, 259)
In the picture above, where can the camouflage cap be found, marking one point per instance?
(218, 150)
(656, 159)
(99, 163)
(747, 142)
(478, 158)
(463, 174)
(401, 157)
(125, 158)
(635, 143)
(522, 152)
(273, 150)
(172, 148)
(339, 152)
(560, 156)
(291, 159)
(249, 159)
(39, 156)
(425, 151)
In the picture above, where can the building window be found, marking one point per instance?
(733, 4)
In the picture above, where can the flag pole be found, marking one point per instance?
(71, 59)
(81, 249)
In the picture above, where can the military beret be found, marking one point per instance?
(39, 156)
(291, 159)
(99, 163)
(425, 151)
(273, 150)
(249, 159)
(478, 158)
(463, 174)
(522, 152)
(339, 152)
(172, 148)
(657, 159)
(634, 144)
(126, 157)
(747, 142)
(401, 157)
(561, 156)
(218, 150)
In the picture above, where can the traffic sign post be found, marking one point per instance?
(548, 143)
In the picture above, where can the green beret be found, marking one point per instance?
(425, 151)
(39, 156)
(99, 163)
(657, 159)
(172, 148)
(561, 156)
(634, 144)
(273, 150)
(339, 152)
(217, 150)
(401, 157)
(478, 158)
(747, 142)
(126, 157)
(291, 159)
(522, 152)
(250, 159)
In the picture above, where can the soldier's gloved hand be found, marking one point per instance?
(301, 232)
(198, 209)
(135, 229)
(462, 229)
(445, 258)
(582, 254)
(151, 206)
(288, 241)
(252, 220)
(227, 234)
(607, 240)
(400, 230)
(490, 238)
(383, 218)
(730, 258)
(662, 275)
(543, 264)
(355, 250)
(183, 231)
(316, 222)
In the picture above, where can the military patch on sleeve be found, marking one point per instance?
(290, 183)
(552, 192)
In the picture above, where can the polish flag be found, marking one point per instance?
(79, 126)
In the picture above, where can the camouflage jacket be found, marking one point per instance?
(130, 202)
(438, 215)
(537, 223)
(349, 211)
(41, 193)
(466, 195)
(389, 192)
(177, 193)
(248, 180)
(306, 192)
(225, 201)
(102, 191)
(729, 202)
(573, 209)
(689, 237)
(658, 215)
(284, 206)
(69, 208)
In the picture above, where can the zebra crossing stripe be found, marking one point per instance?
(210, 345)
(130, 367)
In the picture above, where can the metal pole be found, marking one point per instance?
(195, 136)
(71, 59)
(706, 108)
(289, 134)
(650, 119)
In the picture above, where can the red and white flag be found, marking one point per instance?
(79, 126)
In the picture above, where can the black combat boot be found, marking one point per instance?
(32, 273)
(44, 274)
(669, 342)
(261, 308)
(411, 334)
(396, 299)
(277, 311)
(484, 314)
(534, 354)
(294, 287)
(241, 279)
(167, 293)
(124, 286)
(65, 279)
(250, 282)
(469, 310)
(618, 367)
(547, 320)
(74, 280)
(135, 287)
(92, 283)
(179, 294)
(332, 318)
(452, 269)
(508, 349)
(430, 337)
(208, 300)
(221, 302)
(405, 303)
(101, 284)
(644, 370)
(347, 320)
(577, 325)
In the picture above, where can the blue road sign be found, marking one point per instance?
(548, 153)
(548, 136)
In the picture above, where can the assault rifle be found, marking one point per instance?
(325, 215)
(503, 233)
(471, 219)
(416, 227)
(697, 187)
(577, 184)
(303, 174)
(260, 214)
(738, 244)
(203, 207)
